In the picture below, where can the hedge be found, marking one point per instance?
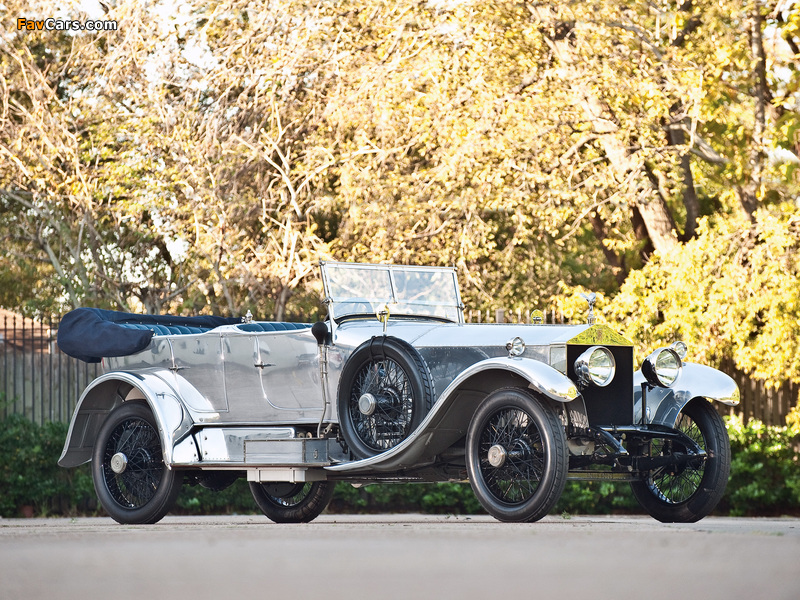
(765, 480)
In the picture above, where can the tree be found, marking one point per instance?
(137, 188)
(71, 192)
(205, 160)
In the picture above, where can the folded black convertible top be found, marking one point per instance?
(89, 334)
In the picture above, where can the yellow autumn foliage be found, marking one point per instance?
(733, 292)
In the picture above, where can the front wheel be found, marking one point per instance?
(516, 456)
(292, 502)
(689, 492)
(130, 477)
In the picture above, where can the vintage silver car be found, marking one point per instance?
(393, 386)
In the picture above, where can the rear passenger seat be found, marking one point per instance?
(164, 329)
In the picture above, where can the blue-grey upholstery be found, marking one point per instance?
(164, 329)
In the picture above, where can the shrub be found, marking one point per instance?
(30, 475)
(431, 498)
(197, 500)
(765, 469)
(765, 480)
(596, 498)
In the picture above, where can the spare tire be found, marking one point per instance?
(384, 393)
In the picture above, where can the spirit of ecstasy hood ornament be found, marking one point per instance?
(590, 298)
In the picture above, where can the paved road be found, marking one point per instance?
(399, 556)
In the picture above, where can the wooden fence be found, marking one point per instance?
(37, 380)
(758, 401)
(501, 315)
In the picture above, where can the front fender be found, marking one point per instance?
(109, 391)
(695, 381)
(448, 420)
(539, 376)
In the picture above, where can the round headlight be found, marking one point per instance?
(662, 368)
(515, 347)
(680, 349)
(596, 366)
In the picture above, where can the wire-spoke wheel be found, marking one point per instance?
(130, 478)
(292, 502)
(384, 393)
(687, 492)
(516, 456)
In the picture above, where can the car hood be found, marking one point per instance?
(533, 335)
(422, 334)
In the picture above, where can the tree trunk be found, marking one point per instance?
(652, 207)
(677, 137)
(280, 302)
(613, 260)
(748, 193)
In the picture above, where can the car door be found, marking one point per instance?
(272, 376)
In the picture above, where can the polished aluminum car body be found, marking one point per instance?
(395, 386)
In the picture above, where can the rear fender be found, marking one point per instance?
(109, 391)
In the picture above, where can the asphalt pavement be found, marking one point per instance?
(399, 556)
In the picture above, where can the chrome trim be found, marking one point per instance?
(650, 367)
(119, 462)
(515, 346)
(367, 404)
(583, 370)
(296, 452)
(497, 456)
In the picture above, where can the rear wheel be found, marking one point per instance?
(516, 456)
(128, 470)
(688, 492)
(285, 502)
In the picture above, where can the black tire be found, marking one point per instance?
(688, 493)
(527, 471)
(396, 379)
(128, 470)
(292, 502)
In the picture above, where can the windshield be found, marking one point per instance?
(358, 289)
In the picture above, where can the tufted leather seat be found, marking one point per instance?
(165, 329)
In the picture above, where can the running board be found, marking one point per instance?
(257, 447)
